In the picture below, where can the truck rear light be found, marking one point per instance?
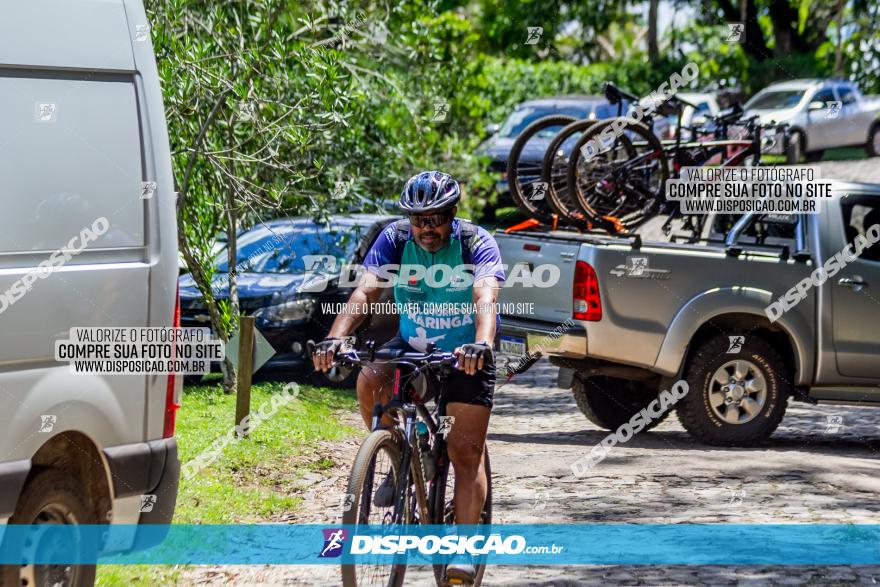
(531, 247)
(587, 303)
(171, 399)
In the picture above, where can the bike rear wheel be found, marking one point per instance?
(524, 167)
(379, 456)
(443, 508)
(622, 183)
(555, 172)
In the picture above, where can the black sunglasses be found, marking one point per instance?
(432, 220)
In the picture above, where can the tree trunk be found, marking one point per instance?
(230, 377)
(838, 40)
(653, 47)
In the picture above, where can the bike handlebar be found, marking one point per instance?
(431, 358)
(614, 94)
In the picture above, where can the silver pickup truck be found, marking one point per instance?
(631, 316)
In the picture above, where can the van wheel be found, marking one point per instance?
(51, 497)
(609, 402)
(735, 399)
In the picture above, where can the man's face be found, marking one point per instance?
(432, 230)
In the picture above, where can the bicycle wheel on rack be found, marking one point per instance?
(619, 183)
(554, 171)
(443, 508)
(378, 457)
(524, 166)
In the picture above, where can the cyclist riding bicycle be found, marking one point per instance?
(435, 310)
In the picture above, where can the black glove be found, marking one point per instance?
(475, 350)
(328, 345)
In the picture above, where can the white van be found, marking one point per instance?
(82, 138)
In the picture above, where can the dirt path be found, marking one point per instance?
(808, 473)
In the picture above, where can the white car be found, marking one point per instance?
(821, 114)
(84, 144)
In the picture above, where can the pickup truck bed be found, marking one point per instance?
(654, 306)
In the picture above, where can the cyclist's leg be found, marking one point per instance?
(465, 443)
(469, 401)
(375, 384)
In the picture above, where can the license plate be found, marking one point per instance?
(513, 345)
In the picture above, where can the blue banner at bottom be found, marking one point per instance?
(508, 544)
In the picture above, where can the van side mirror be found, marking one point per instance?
(493, 128)
(816, 105)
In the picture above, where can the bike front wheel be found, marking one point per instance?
(379, 457)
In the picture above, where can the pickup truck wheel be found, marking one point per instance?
(609, 402)
(873, 145)
(50, 497)
(734, 399)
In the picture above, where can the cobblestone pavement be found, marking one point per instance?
(867, 170)
(815, 469)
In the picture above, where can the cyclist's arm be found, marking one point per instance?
(485, 293)
(485, 296)
(356, 311)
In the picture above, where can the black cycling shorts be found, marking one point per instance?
(477, 389)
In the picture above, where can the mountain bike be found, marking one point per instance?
(412, 453)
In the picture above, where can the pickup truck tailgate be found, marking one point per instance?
(532, 267)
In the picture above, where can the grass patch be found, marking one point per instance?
(251, 480)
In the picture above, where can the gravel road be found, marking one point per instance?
(809, 472)
(821, 466)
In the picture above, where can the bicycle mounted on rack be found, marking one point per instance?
(622, 185)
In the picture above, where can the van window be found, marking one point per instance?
(71, 153)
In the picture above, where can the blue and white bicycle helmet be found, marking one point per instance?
(430, 191)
